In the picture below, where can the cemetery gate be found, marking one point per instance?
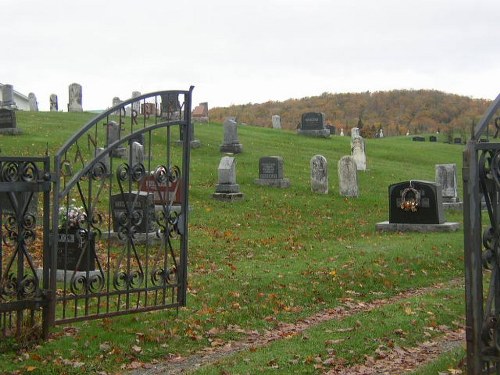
(481, 178)
(101, 229)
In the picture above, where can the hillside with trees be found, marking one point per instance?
(396, 112)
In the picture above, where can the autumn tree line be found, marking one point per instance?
(397, 112)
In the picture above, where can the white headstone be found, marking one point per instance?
(137, 153)
(446, 176)
(75, 98)
(276, 122)
(319, 174)
(341, 132)
(358, 153)
(348, 177)
(32, 102)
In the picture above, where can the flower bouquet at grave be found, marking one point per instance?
(71, 217)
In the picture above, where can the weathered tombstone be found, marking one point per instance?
(319, 174)
(358, 153)
(200, 113)
(54, 106)
(135, 209)
(276, 120)
(313, 124)
(8, 123)
(116, 101)
(446, 177)
(113, 130)
(75, 98)
(170, 106)
(415, 202)
(8, 97)
(194, 143)
(105, 161)
(355, 133)
(381, 133)
(432, 138)
(457, 141)
(271, 172)
(164, 191)
(341, 132)
(136, 106)
(418, 139)
(348, 177)
(136, 153)
(227, 189)
(231, 143)
(32, 102)
(332, 129)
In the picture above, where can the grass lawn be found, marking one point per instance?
(278, 256)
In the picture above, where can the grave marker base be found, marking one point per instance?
(385, 226)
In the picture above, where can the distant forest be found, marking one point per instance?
(396, 112)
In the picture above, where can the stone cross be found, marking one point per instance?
(348, 177)
(75, 98)
(319, 174)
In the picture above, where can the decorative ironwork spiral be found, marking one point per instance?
(81, 284)
(161, 277)
(27, 287)
(29, 172)
(29, 221)
(161, 175)
(122, 172)
(10, 172)
(168, 224)
(495, 168)
(138, 172)
(8, 287)
(99, 171)
(123, 280)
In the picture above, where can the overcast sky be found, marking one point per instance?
(237, 52)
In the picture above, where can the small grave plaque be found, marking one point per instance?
(139, 214)
(415, 202)
(72, 246)
(418, 139)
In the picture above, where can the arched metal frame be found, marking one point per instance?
(114, 248)
(481, 178)
(138, 264)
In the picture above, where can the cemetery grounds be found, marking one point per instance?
(285, 281)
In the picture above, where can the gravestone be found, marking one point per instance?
(163, 191)
(332, 129)
(70, 246)
(8, 97)
(446, 177)
(32, 102)
(231, 143)
(341, 132)
(105, 161)
(271, 172)
(348, 177)
(381, 133)
(136, 154)
(457, 141)
(136, 106)
(313, 124)
(358, 153)
(432, 138)
(139, 216)
(319, 174)
(8, 123)
(194, 143)
(22, 198)
(75, 98)
(54, 106)
(113, 130)
(200, 113)
(416, 206)
(227, 189)
(170, 106)
(116, 101)
(416, 202)
(355, 133)
(276, 120)
(418, 139)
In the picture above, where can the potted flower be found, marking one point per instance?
(75, 240)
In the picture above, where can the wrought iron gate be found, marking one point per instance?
(481, 178)
(116, 230)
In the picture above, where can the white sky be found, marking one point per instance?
(237, 52)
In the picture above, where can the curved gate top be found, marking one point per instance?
(114, 227)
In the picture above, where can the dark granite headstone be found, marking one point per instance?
(271, 172)
(418, 139)
(333, 129)
(7, 118)
(141, 213)
(432, 138)
(416, 202)
(70, 247)
(457, 141)
(312, 121)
